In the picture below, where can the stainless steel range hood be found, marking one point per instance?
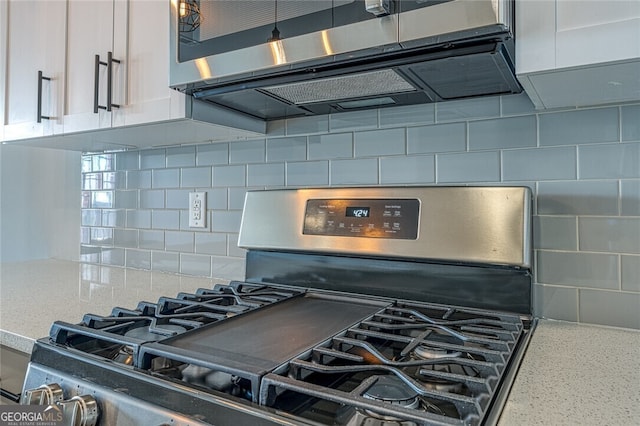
(434, 51)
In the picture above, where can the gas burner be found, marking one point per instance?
(392, 390)
(429, 352)
(124, 355)
(158, 332)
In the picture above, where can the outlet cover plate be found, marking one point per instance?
(197, 209)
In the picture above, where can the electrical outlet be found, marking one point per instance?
(197, 209)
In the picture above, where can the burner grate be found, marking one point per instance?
(451, 358)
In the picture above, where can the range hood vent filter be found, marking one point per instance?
(368, 84)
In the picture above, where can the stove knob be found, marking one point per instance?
(79, 411)
(43, 395)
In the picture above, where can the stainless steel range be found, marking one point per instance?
(360, 306)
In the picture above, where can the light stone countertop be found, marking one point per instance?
(572, 374)
(34, 294)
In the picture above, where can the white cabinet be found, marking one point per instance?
(578, 53)
(144, 111)
(34, 91)
(97, 31)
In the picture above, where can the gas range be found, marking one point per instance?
(360, 306)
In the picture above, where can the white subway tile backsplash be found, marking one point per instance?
(178, 198)
(407, 170)
(630, 272)
(617, 309)
(195, 264)
(630, 198)
(468, 167)
(271, 174)
(140, 259)
(129, 160)
(236, 198)
(380, 142)
(539, 164)
(513, 132)
(619, 161)
(555, 302)
(225, 221)
(354, 172)
(151, 240)
(594, 270)
(126, 199)
(101, 236)
(579, 127)
(286, 149)
(555, 232)
(308, 173)
(211, 243)
(197, 177)
(218, 198)
(103, 162)
(139, 219)
(581, 164)
(229, 175)
(354, 120)
(469, 109)
(517, 105)
(165, 178)
(306, 125)
(212, 154)
(127, 238)
(91, 217)
(325, 147)
(165, 219)
(153, 159)
(631, 123)
(165, 262)
(152, 199)
(578, 198)
(102, 199)
(182, 242)
(232, 247)
(450, 137)
(181, 156)
(113, 218)
(610, 234)
(407, 115)
(247, 152)
(112, 256)
(138, 179)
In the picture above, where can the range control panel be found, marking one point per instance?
(374, 218)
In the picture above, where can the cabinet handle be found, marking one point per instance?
(96, 83)
(110, 62)
(40, 116)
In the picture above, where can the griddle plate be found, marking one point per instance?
(259, 341)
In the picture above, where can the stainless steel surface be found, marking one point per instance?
(461, 224)
(80, 410)
(117, 407)
(385, 33)
(13, 367)
(448, 50)
(47, 394)
(377, 7)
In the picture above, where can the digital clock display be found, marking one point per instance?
(358, 211)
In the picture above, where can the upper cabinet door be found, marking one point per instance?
(148, 97)
(96, 53)
(34, 63)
